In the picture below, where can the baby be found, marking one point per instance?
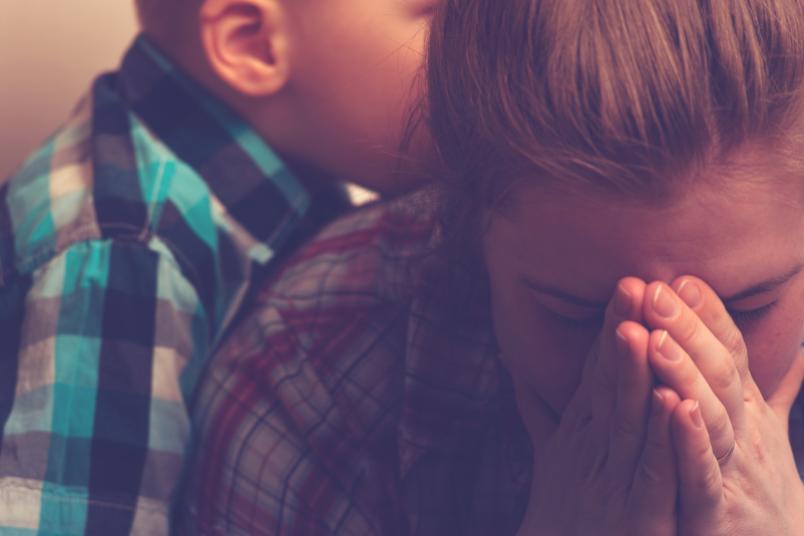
(130, 240)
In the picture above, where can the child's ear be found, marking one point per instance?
(247, 44)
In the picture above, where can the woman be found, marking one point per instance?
(594, 328)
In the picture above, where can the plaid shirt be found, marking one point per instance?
(351, 403)
(354, 402)
(127, 243)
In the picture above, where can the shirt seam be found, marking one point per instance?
(87, 234)
(70, 496)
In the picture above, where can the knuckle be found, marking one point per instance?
(724, 377)
(701, 453)
(734, 342)
(625, 428)
(707, 483)
(720, 428)
(688, 374)
(688, 328)
(757, 449)
(651, 475)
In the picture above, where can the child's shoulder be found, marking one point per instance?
(47, 202)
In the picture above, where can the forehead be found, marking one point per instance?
(729, 236)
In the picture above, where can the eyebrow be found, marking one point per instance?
(759, 288)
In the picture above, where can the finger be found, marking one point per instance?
(700, 482)
(665, 310)
(674, 368)
(782, 400)
(626, 304)
(702, 299)
(655, 483)
(631, 407)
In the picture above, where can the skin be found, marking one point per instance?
(329, 84)
(357, 76)
(585, 246)
(736, 472)
(597, 370)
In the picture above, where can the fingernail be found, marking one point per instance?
(695, 415)
(668, 348)
(622, 302)
(656, 405)
(623, 340)
(690, 293)
(664, 303)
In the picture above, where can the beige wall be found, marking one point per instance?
(50, 50)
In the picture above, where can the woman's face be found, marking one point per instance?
(554, 261)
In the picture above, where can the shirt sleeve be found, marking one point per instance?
(101, 347)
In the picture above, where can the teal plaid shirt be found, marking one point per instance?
(127, 243)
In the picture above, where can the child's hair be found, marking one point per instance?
(618, 96)
(159, 15)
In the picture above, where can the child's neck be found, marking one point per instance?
(313, 178)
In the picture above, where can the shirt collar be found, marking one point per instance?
(249, 179)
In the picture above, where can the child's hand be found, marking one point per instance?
(609, 468)
(737, 474)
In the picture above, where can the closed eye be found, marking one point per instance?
(752, 315)
(585, 320)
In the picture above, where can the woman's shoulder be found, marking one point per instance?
(318, 359)
(349, 289)
(366, 257)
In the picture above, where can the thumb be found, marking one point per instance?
(785, 395)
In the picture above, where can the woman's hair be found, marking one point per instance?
(617, 96)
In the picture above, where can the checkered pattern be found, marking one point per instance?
(127, 243)
(351, 403)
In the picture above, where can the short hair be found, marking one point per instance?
(159, 15)
(624, 96)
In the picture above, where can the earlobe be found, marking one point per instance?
(247, 44)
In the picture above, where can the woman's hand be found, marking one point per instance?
(737, 475)
(609, 468)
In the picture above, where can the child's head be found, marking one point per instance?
(329, 83)
(590, 140)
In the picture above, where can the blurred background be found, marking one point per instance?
(50, 51)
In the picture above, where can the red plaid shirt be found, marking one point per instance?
(349, 403)
(352, 402)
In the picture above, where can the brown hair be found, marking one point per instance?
(624, 96)
(160, 16)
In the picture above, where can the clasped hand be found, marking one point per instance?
(668, 434)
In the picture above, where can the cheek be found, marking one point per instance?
(369, 70)
(541, 355)
(773, 347)
(360, 95)
(388, 87)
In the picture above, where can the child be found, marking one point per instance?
(559, 343)
(131, 238)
